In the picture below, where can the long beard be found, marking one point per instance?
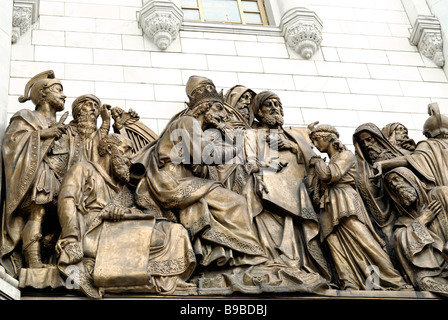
(244, 111)
(376, 154)
(407, 195)
(273, 119)
(86, 124)
(120, 167)
(57, 104)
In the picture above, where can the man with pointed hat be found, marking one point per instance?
(216, 218)
(32, 183)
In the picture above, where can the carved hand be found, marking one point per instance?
(54, 131)
(378, 168)
(315, 159)
(105, 112)
(260, 186)
(287, 144)
(117, 213)
(429, 213)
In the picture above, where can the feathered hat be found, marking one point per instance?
(36, 84)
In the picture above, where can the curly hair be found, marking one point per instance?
(329, 133)
(112, 139)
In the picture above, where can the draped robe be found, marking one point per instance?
(158, 253)
(217, 219)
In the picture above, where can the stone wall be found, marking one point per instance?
(365, 71)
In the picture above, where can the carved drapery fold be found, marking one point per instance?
(302, 30)
(427, 36)
(25, 14)
(160, 21)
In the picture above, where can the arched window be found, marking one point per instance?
(230, 11)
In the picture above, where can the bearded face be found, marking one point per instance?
(55, 97)
(86, 119)
(243, 105)
(215, 115)
(372, 150)
(120, 166)
(406, 194)
(271, 113)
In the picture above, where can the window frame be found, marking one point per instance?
(241, 11)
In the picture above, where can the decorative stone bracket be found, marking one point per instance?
(427, 36)
(25, 14)
(160, 21)
(302, 30)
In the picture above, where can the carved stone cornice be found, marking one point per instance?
(427, 36)
(302, 30)
(25, 14)
(161, 21)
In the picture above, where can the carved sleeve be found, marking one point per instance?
(343, 163)
(322, 171)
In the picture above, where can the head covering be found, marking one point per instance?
(234, 94)
(376, 132)
(196, 82)
(389, 130)
(200, 89)
(260, 98)
(36, 84)
(436, 124)
(414, 181)
(76, 105)
(325, 128)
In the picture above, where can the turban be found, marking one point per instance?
(261, 98)
(76, 105)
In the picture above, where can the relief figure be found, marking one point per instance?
(345, 225)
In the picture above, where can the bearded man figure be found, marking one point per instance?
(113, 244)
(371, 146)
(287, 224)
(429, 159)
(217, 218)
(345, 225)
(397, 134)
(240, 98)
(30, 174)
(421, 230)
(83, 134)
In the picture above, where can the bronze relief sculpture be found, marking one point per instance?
(226, 199)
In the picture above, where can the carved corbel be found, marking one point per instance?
(25, 14)
(427, 36)
(302, 30)
(160, 21)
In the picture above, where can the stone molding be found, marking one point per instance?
(302, 30)
(9, 287)
(161, 21)
(427, 36)
(25, 14)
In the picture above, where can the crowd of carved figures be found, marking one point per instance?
(225, 199)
